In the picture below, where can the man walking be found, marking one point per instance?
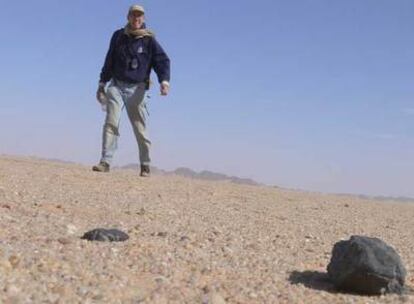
(133, 52)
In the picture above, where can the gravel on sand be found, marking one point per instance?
(190, 241)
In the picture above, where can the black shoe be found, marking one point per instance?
(145, 171)
(101, 167)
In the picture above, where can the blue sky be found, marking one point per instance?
(311, 94)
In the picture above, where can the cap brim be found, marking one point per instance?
(137, 10)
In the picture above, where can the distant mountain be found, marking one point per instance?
(204, 175)
(184, 172)
(402, 199)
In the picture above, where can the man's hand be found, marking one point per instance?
(164, 88)
(100, 93)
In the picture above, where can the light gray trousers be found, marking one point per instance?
(133, 97)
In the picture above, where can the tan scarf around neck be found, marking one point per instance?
(137, 33)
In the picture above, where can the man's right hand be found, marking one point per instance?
(100, 93)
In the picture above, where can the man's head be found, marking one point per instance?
(136, 16)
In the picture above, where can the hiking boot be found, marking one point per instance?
(145, 171)
(101, 167)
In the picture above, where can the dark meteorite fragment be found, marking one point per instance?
(367, 266)
(105, 235)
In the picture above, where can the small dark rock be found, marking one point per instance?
(105, 235)
(206, 289)
(366, 266)
(184, 238)
(64, 241)
(141, 211)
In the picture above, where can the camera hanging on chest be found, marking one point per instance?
(132, 55)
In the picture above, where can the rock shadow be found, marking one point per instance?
(320, 281)
(312, 279)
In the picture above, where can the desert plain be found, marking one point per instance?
(190, 241)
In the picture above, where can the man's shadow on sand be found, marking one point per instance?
(313, 279)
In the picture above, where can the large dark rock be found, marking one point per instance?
(105, 235)
(367, 266)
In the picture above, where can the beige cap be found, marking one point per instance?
(136, 8)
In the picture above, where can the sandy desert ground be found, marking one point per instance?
(191, 241)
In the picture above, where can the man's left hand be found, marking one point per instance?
(164, 88)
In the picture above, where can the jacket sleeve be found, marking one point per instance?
(160, 62)
(107, 69)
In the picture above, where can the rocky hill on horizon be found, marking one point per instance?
(214, 176)
(203, 175)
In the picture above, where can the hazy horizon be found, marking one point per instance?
(313, 95)
(121, 165)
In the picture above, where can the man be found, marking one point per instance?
(133, 52)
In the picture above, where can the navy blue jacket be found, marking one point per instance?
(130, 59)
